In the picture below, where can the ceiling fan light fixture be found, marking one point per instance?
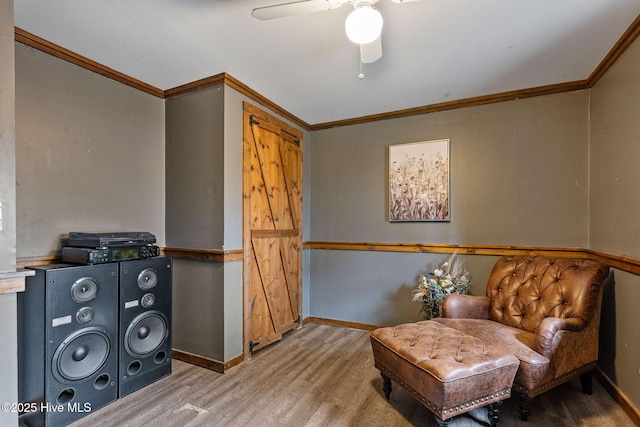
(364, 24)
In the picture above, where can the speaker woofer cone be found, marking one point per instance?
(81, 355)
(84, 290)
(146, 333)
(147, 278)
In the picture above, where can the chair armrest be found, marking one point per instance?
(549, 327)
(466, 306)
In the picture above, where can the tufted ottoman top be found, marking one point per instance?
(448, 371)
(445, 352)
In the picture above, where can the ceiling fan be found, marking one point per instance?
(363, 25)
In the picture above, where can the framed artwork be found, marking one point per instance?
(419, 181)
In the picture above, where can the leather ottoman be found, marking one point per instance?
(448, 371)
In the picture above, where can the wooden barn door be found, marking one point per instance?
(272, 210)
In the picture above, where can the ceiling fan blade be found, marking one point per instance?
(403, 1)
(295, 8)
(371, 52)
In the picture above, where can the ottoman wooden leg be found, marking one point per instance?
(386, 385)
(494, 413)
(441, 422)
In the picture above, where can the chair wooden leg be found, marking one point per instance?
(494, 413)
(523, 405)
(586, 382)
(386, 385)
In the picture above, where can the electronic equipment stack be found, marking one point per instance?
(99, 248)
(94, 328)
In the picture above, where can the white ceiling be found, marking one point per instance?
(434, 50)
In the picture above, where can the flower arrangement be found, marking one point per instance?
(448, 278)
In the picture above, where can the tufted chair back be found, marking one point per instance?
(524, 290)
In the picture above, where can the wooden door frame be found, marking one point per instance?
(250, 111)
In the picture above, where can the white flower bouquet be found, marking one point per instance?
(448, 278)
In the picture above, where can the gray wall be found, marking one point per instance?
(375, 288)
(615, 209)
(198, 307)
(233, 201)
(615, 155)
(8, 357)
(519, 176)
(233, 151)
(195, 168)
(90, 154)
(7, 139)
(8, 338)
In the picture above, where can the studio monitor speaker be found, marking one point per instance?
(145, 322)
(67, 343)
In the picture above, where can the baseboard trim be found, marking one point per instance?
(206, 362)
(618, 396)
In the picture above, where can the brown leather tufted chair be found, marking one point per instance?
(545, 311)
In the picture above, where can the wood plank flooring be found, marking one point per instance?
(322, 375)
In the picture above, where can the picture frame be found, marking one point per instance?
(419, 181)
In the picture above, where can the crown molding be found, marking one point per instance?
(461, 103)
(255, 96)
(629, 36)
(45, 46)
(201, 84)
(618, 49)
(232, 82)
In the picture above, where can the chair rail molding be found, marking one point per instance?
(621, 262)
(14, 281)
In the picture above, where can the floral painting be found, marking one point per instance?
(419, 181)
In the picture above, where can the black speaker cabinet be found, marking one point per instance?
(67, 343)
(145, 322)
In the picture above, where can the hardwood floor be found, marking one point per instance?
(322, 375)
